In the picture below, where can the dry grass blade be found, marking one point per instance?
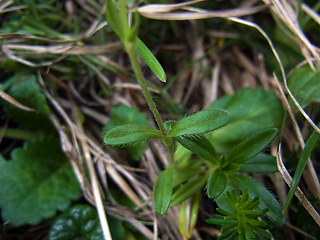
(299, 194)
(11, 100)
(163, 12)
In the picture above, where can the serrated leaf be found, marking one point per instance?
(36, 182)
(200, 146)
(255, 189)
(162, 191)
(130, 133)
(128, 115)
(262, 163)
(187, 190)
(251, 110)
(199, 123)
(150, 60)
(217, 183)
(28, 93)
(251, 146)
(77, 223)
(304, 84)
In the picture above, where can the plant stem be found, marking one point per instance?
(17, 134)
(142, 82)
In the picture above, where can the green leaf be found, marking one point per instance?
(188, 215)
(36, 182)
(262, 163)
(188, 189)
(162, 191)
(251, 146)
(28, 93)
(125, 115)
(304, 84)
(310, 144)
(199, 123)
(217, 183)
(251, 110)
(114, 19)
(199, 145)
(188, 172)
(77, 223)
(255, 189)
(130, 133)
(150, 60)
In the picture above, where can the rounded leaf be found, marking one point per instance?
(77, 223)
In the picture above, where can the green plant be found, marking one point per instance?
(241, 220)
(184, 178)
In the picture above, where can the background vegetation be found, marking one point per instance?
(66, 82)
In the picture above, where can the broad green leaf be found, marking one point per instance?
(128, 115)
(217, 183)
(199, 145)
(188, 215)
(251, 110)
(130, 133)
(310, 144)
(162, 191)
(36, 182)
(251, 146)
(187, 190)
(150, 60)
(199, 123)
(77, 223)
(304, 84)
(255, 189)
(28, 93)
(262, 163)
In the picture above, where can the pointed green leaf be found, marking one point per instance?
(251, 146)
(162, 191)
(150, 60)
(251, 110)
(217, 183)
(262, 163)
(78, 222)
(188, 189)
(310, 144)
(255, 189)
(199, 145)
(199, 123)
(114, 19)
(36, 182)
(130, 133)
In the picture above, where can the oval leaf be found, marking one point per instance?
(200, 146)
(79, 222)
(251, 146)
(217, 183)
(130, 133)
(199, 123)
(150, 60)
(162, 191)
